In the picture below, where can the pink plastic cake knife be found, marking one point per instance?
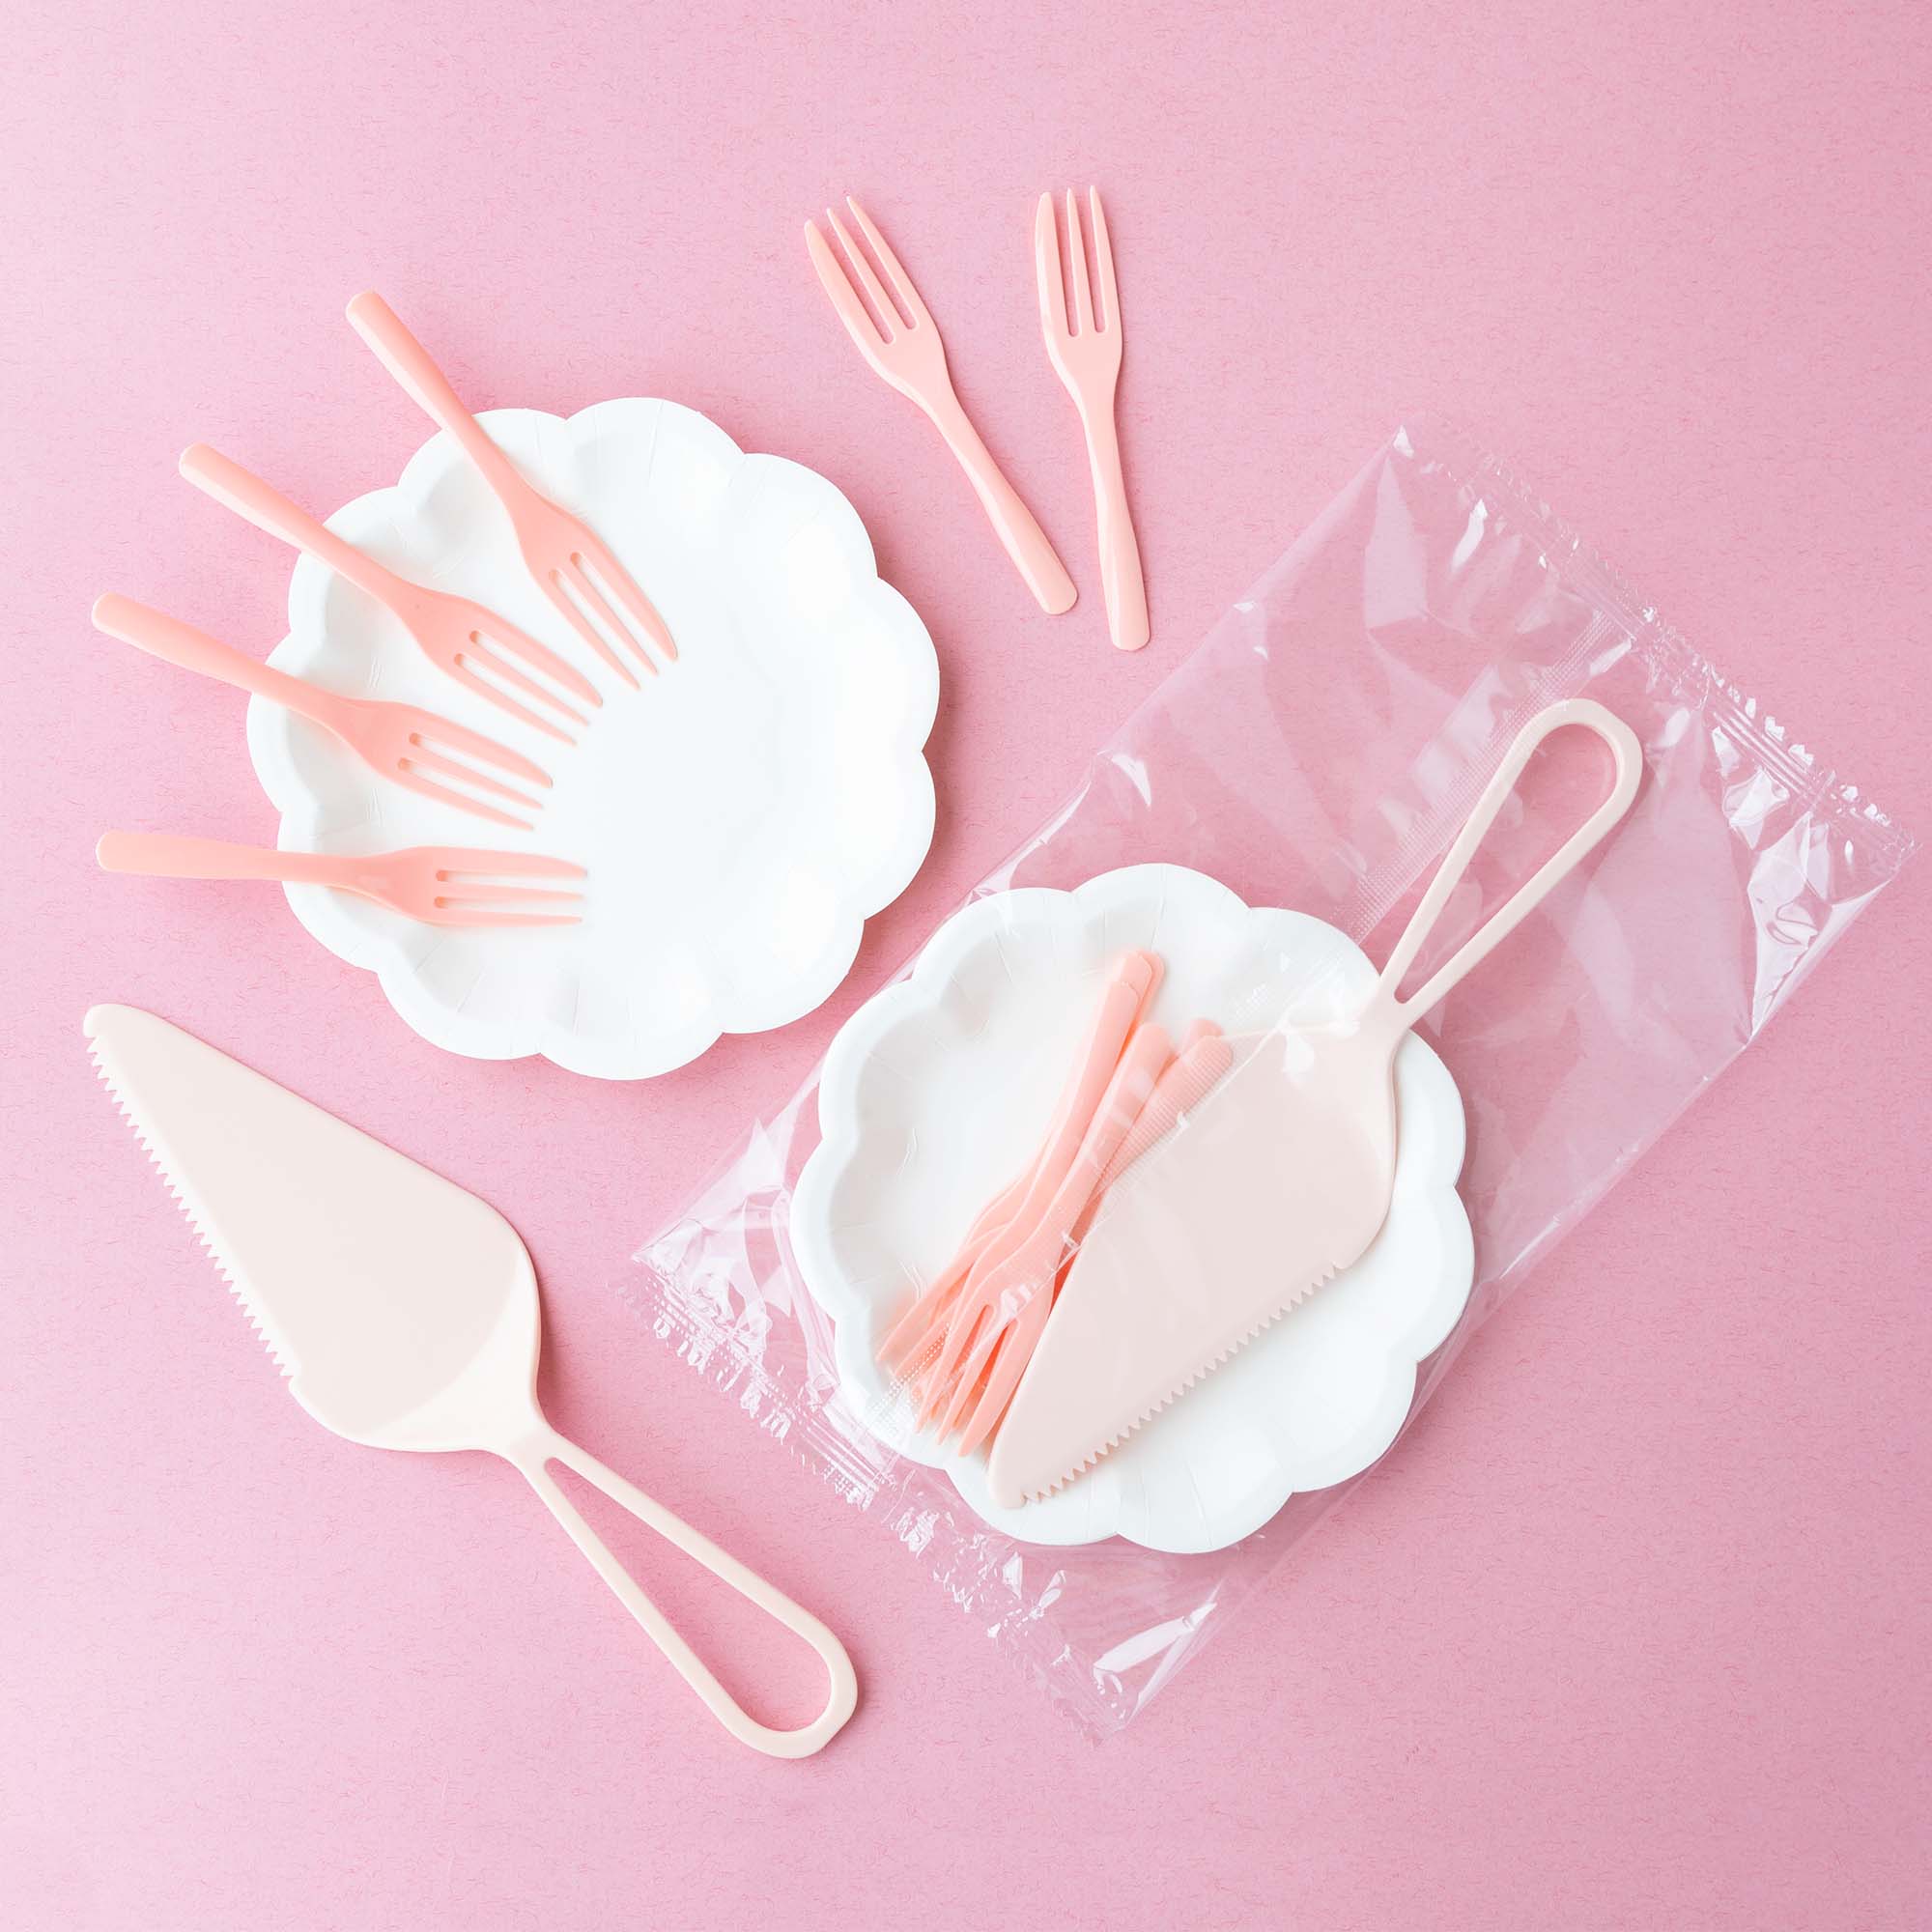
(1085, 351)
(1281, 1181)
(398, 741)
(902, 344)
(572, 565)
(457, 635)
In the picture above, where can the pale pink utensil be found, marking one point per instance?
(903, 347)
(404, 1313)
(1085, 351)
(1131, 980)
(1280, 1183)
(399, 741)
(437, 885)
(456, 634)
(573, 566)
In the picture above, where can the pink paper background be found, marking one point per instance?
(1633, 1629)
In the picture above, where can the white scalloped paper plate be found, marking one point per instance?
(934, 1093)
(741, 815)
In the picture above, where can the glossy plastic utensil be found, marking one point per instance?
(1129, 990)
(571, 564)
(1021, 1291)
(402, 1310)
(1281, 1181)
(1085, 349)
(471, 644)
(401, 742)
(995, 1370)
(437, 885)
(902, 344)
(1204, 1058)
(1131, 984)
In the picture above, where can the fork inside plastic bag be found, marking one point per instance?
(1319, 752)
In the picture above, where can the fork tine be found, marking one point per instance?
(602, 610)
(968, 1383)
(508, 895)
(1103, 263)
(567, 606)
(485, 652)
(460, 738)
(464, 915)
(890, 323)
(995, 1393)
(618, 582)
(513, 642)
(1046, 266)
(406, 775)
(901, 282)
(961, 1339)
(423, 759)
(1076, 261)
(460, 862)
(844, 297)
(460, 668)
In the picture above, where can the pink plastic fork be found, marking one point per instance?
(1131, 981)
(398, 741)
(903, 347)
(1127, 994)
(1087, 354)
(1204, 1057)
(561, 551)
(456, 634)
(437, 885)
(1017, 1294)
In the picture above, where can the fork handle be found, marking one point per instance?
(167, 855)
(410, 364)
(1025, 541)
(177, 644)
(268, 510)
(1120, 579)
(533, 1458)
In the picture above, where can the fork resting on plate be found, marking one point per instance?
(399, 742)
(437, 885)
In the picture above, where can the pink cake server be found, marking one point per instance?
(572, 565)
(1085, 351)
(404, 1313)
(439, 885)
(473, 645)
(902, 344)
(398, 741)
(1280, 1183)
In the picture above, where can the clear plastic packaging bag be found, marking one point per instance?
(1319, 752)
